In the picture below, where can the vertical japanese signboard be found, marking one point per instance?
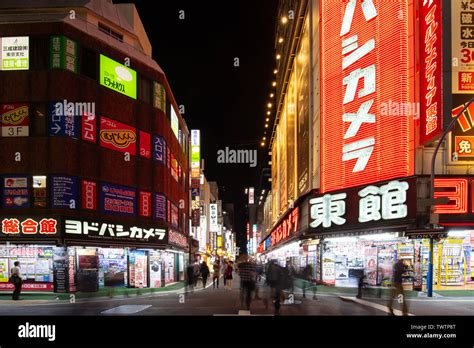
(160, 207)
(89, 195)
(15, 53)
(15, 120)
(365, 65)
(145, 204)
(63, 121)
(145, 141)
(213, 226)
(159, 96)
(89, 128)
(159, 149)
(431, 63)
(462, 46)
(461, 138)
(63, 53)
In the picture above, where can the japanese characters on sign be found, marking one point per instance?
(364, 206)
(159, 96)
(63, 53)
(14, 120)
(431, 70)
(64, 192)
(14, 53)
(160, 207)
(362, 71)
(28, 226)
(462, 46)
(112, 231)
(145, 144)
(118, 77)
(213, 226)
(145, 204)
(89, 128)
(159, 149)
(89, 195)
(62, 121)
(16, 192)
(177, 239)
(460, 192)
(461, 138)
(118, 136)
(115, 199)
(287, 228)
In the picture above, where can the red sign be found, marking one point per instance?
(365, 66)
(89, 195)
(145, 144)
(28, 287)
(177, 239)
(29, 226)
(145, 204)
(174, 167)
(117, 136)
(14, 120)
(286, 228)
(431, 61)
(456, 190)
(89, 128)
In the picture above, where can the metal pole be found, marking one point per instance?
(429, 277)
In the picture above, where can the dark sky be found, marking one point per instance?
(227, 103)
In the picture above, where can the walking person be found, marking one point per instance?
(216, 268)
(397, 287)
(204, 273)
(361, 277)
(223, 269)
(228, 274)
(308, 280)
(247, 273)
(190, 278)
(16, 279)
(197, 272)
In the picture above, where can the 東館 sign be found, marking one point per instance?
(375, 206)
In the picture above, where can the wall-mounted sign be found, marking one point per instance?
(285, 229)
(174, 168)
(15, 53)
(159, 96)
(160, 207)
(461, 138)
(115, 199)
(117, 136)
(89, 195)
(145, 144)
(118, 77)
(365, 66)
(174, 122)
(177, 239)
(39, 191)
(14, 120)
(63, 192)
(462, 46)
(63, 53)
(431, 62)
(251, 195)
(63, 122)
(101, 230)
(89, 128)
(364, 207)
(214, 226)
(174, 215)
(159, 149)
(145, 204)
(27, 226)
(16, 192)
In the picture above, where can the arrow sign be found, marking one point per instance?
(56, 128)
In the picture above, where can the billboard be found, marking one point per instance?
(118, 77)
(16, 193)
(63, 193)
(174, 123)
(213, 226)
(63, 53)
(117, 136)
(15, 120)
(117, 200)
(159, 96)
(462, 46)
(290, 105)
(62, 122)
(15, 53)
(461, 138)
(89, 128)
(145, 204)
(25, 226)
(159, 149)
(195, 153)
(174, 215)
(174, 167)
(145, 144)
(431, 63)
(89, 195)
(160, 207)
(364, 68)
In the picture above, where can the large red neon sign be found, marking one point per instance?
(365, 66)
(285, 228)
(457, 192)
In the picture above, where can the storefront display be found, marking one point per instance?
(138, 268)
(112, 267)
(169, 267)
(87, 273)
(155, 269)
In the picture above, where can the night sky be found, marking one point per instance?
(227, 103)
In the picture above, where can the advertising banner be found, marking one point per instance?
(462, 46)
(213, 227)
(27, 226)
(62, 121)
(160, 206)
(60, 269)
(174, 122)
(159, 149)
(174, 215)
(290, 102)
(365, 65)
(63, 192)
(15, 53)
(63, 53)
(89, 128)
(461, 138)
(145, 204)
(119, 200)
(16, 192)
(118, 136)
(15, 120)
(159, 96)
(178, 239)
(89, 195)
(145, 144)
(174, 168)
(118, 77)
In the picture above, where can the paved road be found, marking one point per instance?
(221, 301)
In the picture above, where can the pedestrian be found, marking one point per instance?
(223, 269)
(190, 277)
(16, 279)
(247, 273)
(204, 273)
(308, 280)
(216, 274)
(228, 274)
(397, 287)
(361, 277)
(197, 273)
(275, 281)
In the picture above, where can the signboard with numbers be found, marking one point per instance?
(115, 199)
(462, 46)
(14, 120)
(461, 138)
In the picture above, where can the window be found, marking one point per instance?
(89, 63)
(144, 89)
(39, 192)
(38, 119)
(39, 53)
(105, 29)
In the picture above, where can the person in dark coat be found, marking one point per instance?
(190, 277)
(397, 287)
(204, 273)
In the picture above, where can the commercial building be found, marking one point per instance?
(364, 94)
(95, 154)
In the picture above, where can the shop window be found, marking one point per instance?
(89, 63)
(39, 53)
(144, 89)
(38, 119)
(39, 192)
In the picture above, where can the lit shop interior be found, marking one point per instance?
(343, 258)
(90, 268)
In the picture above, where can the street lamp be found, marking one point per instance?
(429, 280)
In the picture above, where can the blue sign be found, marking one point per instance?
(118, 200)
(268, 243)
(64, 192)
(195, 192)
(16, 192)
(160, 206)
(159, 149)
(63, 121)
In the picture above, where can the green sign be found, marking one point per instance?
(118, 77)
(63, 53)
(159, 96)
(15, 53)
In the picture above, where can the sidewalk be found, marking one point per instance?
(105, 293)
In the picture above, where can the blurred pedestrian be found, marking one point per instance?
(204, 273)
(308, 280)
(197, 272)
(16, 279)
(216, 268)
(190, 277)
(247, 272)
(223, 270)
(228, 274)
(361, 277)
(397, 287)
(275, 281)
